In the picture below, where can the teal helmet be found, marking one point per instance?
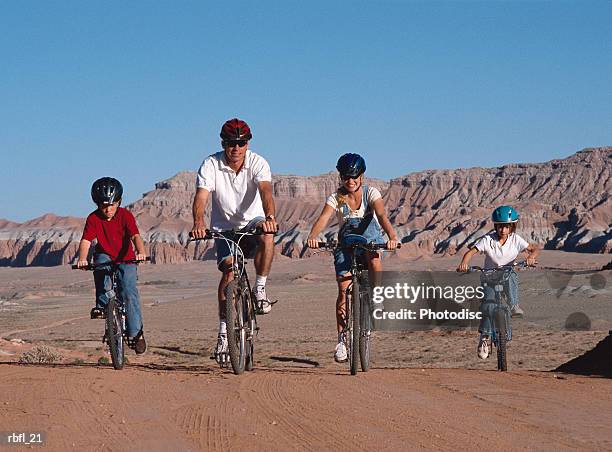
(505, 214)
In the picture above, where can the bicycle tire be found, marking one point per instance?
(114, 334)
(364, 336)
(501, 328)
(354, 325)
(236, 334)
(250, 319)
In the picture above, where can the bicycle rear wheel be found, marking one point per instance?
(366, 328)
(236, 333)
(114, 333)
(502, 339)
(354, 325)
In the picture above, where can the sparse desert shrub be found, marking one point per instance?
(40, 354)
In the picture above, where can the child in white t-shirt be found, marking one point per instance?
(500, 247)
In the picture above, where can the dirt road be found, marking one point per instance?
(189, 408)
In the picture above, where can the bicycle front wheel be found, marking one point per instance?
(114, 333)
(236, 332)
(502, 339)
(354, 325)
(249, 311)
(364, 335)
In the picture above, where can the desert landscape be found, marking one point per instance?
(426, 390)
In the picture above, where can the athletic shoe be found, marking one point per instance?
(517, 311)
(221, 348)
(140, 345)
(341, 355)
(263, 305)
(484, 347)
(97, 313)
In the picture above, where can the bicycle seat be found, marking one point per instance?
(354, 239)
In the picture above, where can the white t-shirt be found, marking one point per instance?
(495, 253)
(235, 197)
(371, 195)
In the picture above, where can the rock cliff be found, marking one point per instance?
(564, 204)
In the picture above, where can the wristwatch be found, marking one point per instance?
(270, 218)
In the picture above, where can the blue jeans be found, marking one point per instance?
(487, 307)
(126, 286)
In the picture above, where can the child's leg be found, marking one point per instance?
(343, 283)
(102, 280)
(487, 308)
(127, 277)
(511, 288)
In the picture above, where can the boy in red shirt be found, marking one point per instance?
(114, 228)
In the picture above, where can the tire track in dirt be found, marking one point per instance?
(279, 399)
(43, 327)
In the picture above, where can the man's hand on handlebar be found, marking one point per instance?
(269, 226)
(82, 264)
(198, 231)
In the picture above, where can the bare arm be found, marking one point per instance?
(141, 253)
(463, 266)
(379, 210)
(83, 252)
(199, 206)
(319, 225)
(532, 253)
(267, 200)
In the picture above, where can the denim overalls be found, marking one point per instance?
(366, 226)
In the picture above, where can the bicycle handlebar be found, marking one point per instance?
(93, 266)
(223, 233)
(333, 244)
(521, 264)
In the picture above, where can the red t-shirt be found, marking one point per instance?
(114, 235)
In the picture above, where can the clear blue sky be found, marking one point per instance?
(138, 90)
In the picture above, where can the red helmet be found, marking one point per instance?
(236, 129)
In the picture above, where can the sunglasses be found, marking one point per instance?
(346, 177)
(232, 143)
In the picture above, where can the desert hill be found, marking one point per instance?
(565, 204)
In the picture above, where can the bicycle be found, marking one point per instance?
(241, 305)
(357, 300)
(115, 334)
(501, 334)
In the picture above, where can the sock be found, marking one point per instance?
(222, 327)
(260, 281)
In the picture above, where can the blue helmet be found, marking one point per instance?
(505, 214)
(351, 165)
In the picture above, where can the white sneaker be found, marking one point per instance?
(263, 304)
(341, 355)
(221, 349)
(517, 311)
(484, 347)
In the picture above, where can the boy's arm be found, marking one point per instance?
(83, 252)
(318, 226)
(533, 252)
(379, 210)
(463, 266)
(141, 252)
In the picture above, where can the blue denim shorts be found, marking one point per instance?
(248, 244)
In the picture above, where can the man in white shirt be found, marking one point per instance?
(240, 182)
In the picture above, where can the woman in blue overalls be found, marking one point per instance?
(359, 209)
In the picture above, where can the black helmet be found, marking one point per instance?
(106, 190)
(351, 165)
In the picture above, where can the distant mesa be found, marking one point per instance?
(565, 204)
